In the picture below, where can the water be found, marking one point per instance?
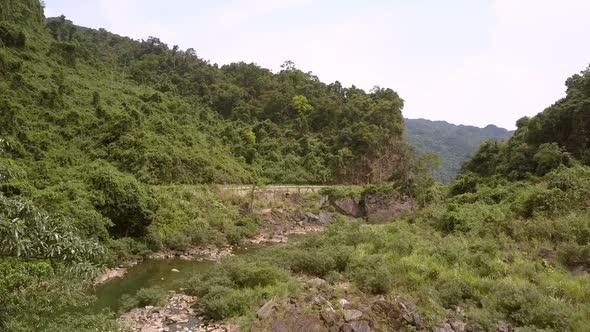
(152, 273)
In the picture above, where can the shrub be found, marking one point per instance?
(233, 288)
(549, 156)
(317, 263)
(121, 198)
(10, 36)
(143, 297)
(372, 273)
(540, 200)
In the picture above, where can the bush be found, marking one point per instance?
(549, 156)
(125, 249)
(316, 263)
(538, 200)
(372, 273)
(121, 198)
(233, 288)
(11, 36)
(143, 297)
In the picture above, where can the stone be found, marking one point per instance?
(297, 323)
(384, 207)
(457, 325)
(351, 314)
(349, 207)
(450, 325)
(316, 282)
(110, 274)
(417, 321)
(318, 300)
(344, 303)
(329, 317)
(325, 218)
(356, 326)
(504, 327)
(266, 310)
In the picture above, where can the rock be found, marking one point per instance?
(174, 270)
(329, 317)
(309, 217)
(344, 303)
(348, 206)
(266, 310)
(399, 314)
(504, 327)
(356, 326)
(351, 314)
(457, 325)
(450, 325)
(417, 321)
(316, 282)
(110, 274)
(386, 206)
(325, 218)
(318, 300)
(297, 323)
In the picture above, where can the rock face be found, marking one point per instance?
(322, 218)
(349, 207)
(381, 207)
(375, 206)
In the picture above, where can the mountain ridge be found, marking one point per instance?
(453, 143)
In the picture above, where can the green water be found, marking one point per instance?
(152, 273)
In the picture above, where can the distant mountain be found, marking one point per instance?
(453, 143)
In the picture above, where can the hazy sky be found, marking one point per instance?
(465, 61)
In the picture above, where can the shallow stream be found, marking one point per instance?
(153, 273)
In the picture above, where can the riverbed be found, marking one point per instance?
(168, 274)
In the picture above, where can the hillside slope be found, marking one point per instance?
(107, 145)
(454, 144)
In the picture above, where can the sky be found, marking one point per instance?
(473, 62)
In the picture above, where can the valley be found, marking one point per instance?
(144, 188)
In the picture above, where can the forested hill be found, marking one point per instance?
(74, 97)
(454, 144)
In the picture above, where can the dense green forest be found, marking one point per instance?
(454, 144)
(108, 148)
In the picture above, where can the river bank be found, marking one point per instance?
(278, 224)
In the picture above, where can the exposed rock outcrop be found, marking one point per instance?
(375, 206)
(348, 207)
(381, 207)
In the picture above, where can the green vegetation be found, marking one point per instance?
(510, 241)
(144, 297)
(454, 144)
(109, 147)
(502, 253)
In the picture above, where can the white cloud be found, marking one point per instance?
(534, 45)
